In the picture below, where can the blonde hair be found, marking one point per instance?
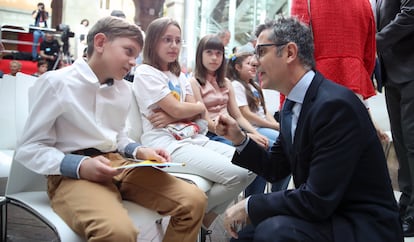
(15, 62)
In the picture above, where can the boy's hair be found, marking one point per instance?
(234, 75)
(114, 27)
(209, 42)
(153, 35)
(15, 62)
(41, 62)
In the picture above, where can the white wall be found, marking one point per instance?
(16, 17)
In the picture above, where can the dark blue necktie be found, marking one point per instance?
(286, 123)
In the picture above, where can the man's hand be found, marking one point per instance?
(228, 127)
(159, 155)
(235, 217)
(97, 169)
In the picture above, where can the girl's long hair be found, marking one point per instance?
(209, 42)
(234, 75)
(155, 31)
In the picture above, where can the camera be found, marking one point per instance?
(65, 35)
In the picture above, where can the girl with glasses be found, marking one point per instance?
(167, 104)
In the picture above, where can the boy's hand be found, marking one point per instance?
(159, 155)
(97, 169)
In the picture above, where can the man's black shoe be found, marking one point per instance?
(408, 227)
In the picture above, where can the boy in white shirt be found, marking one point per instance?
(75, 134)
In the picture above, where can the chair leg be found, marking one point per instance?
(158, 221)
(3, 218)
(199, 237)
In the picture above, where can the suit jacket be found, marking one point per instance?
(395, 38)
(338, 167)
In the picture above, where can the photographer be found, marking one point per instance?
(40, 16)
(49, 50)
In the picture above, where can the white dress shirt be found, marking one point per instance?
(70, 110)
(297, 94)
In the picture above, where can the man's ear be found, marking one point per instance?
(292, 51)
(99, 41)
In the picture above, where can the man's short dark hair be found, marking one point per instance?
(118, 13)
(290, 29)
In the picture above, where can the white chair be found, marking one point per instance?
(8, 123)
(27, 189)
(11, 102)
(14, 111)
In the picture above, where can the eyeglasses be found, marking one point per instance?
(170, 40)
(259, 51)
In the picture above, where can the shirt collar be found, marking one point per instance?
(89, 75)
(86, 71)
(298, 92)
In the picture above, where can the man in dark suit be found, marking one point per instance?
(395, 38)
(343, 189)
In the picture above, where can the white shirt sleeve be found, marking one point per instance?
(150, 86)
(37, 145)
(187, 85)
(239, 93)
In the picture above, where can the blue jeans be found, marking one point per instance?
(215, 137)
(259, 184)
(270, 134)
(36, 37)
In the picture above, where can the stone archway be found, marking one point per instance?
(146, 11)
